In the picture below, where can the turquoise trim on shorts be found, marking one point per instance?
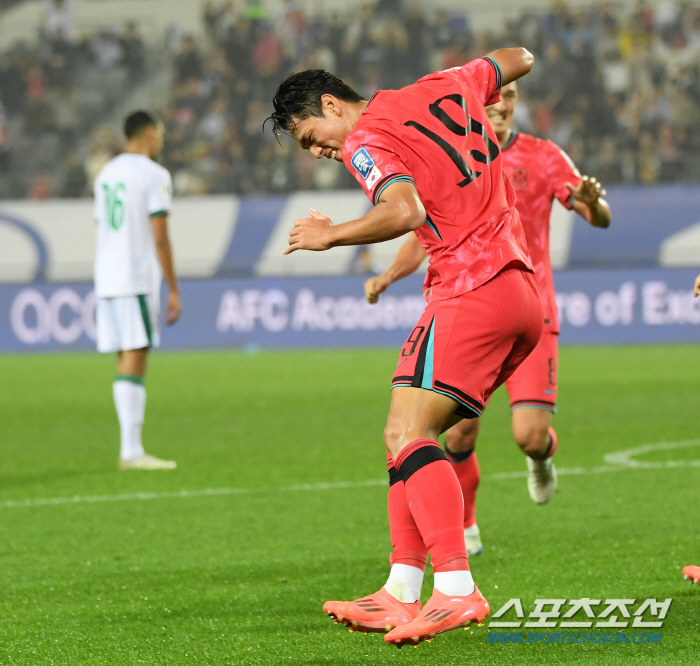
(542, 407)
(427, 382)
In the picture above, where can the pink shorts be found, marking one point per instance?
(534, 383)
(466, 347)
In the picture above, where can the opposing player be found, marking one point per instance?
(428, 159)
(132, 203)
(540, 172)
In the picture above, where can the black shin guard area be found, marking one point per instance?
(394, 476)
(460, 457)
(420, 458)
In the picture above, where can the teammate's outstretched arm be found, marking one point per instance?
(165, 257)
(407, 260)
(514, 63)
(697, 286)
(398, 211)
(589, 203)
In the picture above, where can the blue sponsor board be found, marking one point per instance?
(627, 306)
(643, 217)
(596, 307)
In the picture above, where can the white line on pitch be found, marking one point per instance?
(206, 492)
(603, 469)
(214, 492)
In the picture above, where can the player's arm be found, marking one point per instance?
(697, 286)
(165, 257)
(589, 203)
(398, 211)
(514, 63)
(407, 260)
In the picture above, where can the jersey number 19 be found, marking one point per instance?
(470, 175)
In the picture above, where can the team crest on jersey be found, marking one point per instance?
(363, 162)
(520, 178)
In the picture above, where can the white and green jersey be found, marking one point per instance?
(129, 191)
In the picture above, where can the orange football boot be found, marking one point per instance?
(442, 613)
(377, 612)
(692, 573)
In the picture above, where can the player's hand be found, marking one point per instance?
(588, 191)
(375, 286)
(173, 308)
(310, 233)
(697, 286)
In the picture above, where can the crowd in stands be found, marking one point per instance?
(617, 86)
(52, 94)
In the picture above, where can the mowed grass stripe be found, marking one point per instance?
(341, 485)
(211, 581)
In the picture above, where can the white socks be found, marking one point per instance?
(472, 531)
(130, 401)
(454, 583)
(404, 583)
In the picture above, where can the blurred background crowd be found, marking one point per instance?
(616, 85)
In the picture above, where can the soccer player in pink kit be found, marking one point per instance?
(429, 161)
(539, 172)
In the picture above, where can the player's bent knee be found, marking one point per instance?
(534, 440)
(461, 438)
(391, 437)
(397, 437)
(415, 414)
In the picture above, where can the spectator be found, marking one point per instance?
(107, 49)
(41, 187)
(649, 163)
(66, 114)
(188, 63)
(211, 16)
(37, 117)
(13, 81)
(36, 84)
(58, 17)
(103, 148)
(214, 124)
(267, 56)
(134, 52)
(669, 157)
(4, 142)
(75, 179)
(60, 61)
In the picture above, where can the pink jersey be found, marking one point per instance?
(436, 135)
(539, 171)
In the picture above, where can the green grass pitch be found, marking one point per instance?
(239, 577)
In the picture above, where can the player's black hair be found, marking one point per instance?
(137, 121)
(299, 96)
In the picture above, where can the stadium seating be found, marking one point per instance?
(616, 87)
